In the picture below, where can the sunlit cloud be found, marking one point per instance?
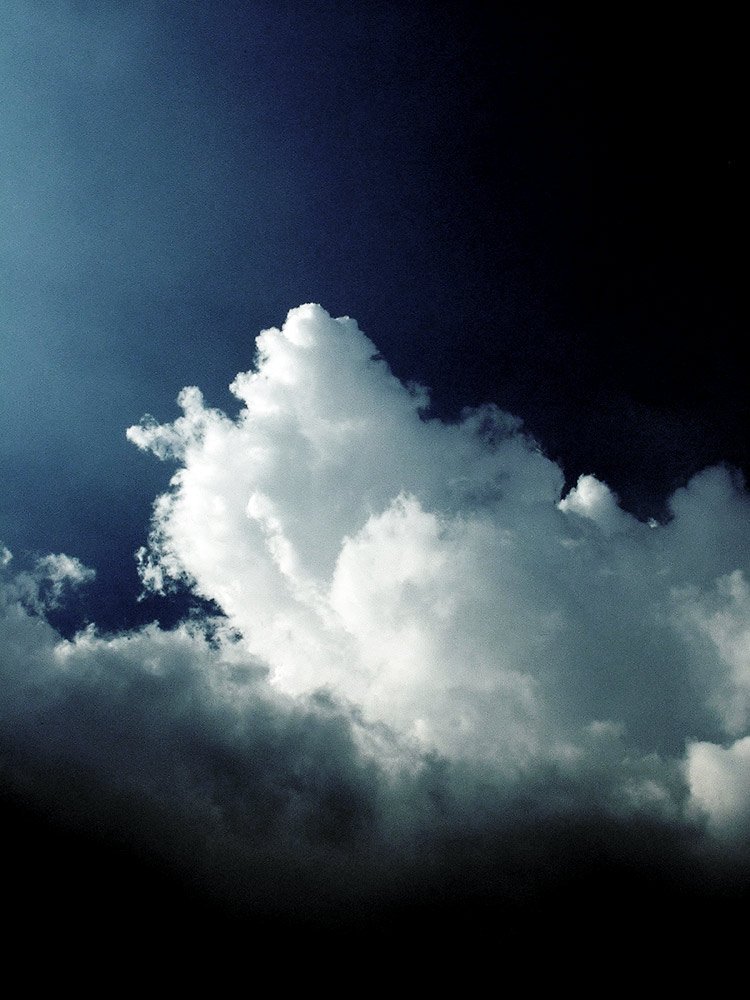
(417, 630)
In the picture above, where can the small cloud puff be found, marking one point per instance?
(593, 499)
(42, 587)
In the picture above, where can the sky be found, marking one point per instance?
(375, 530)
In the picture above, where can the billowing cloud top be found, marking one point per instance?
(419, 633)
(431, 575)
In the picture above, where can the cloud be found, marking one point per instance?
(719, 779)
(432, 573)
(594, 500)
(173, 743)
(43, 586)
(430, 666)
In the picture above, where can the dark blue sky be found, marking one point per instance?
(541, 210)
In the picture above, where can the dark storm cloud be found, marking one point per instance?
(170, 746)
(171, 743)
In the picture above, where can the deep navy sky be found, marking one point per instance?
(544, 211)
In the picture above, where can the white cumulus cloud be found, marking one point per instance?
(433, 575)
(429, 660)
